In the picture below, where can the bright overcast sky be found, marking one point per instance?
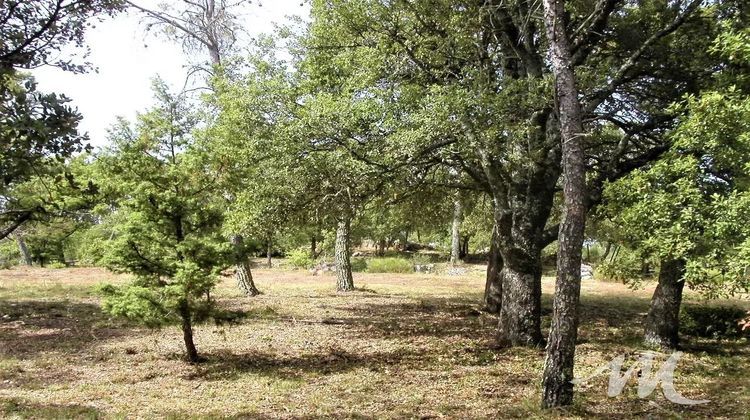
(128, 58)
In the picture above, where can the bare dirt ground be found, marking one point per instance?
(402, 346)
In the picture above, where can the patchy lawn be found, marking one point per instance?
(401, 346)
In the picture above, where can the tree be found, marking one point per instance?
(557, 388)
(203, 25)
(683, 211)
(33, 32)
(455, 232)
(475, 95)
(207, 26)
(34, 126)
(169, 235)
(249, 144)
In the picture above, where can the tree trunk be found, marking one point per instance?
(607, 249)
(381, 247)
(344, 279)
(242, 272)
(455, 233)
(269, 253)
(521, 309)
(25, 254)
(493, 288)
(313, 247)
(557, 389)
(663, 320)
(464, 252)
(191, 353)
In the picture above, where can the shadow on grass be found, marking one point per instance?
(227, 365)
(433, 317)
(30, 327)
(182, 415)
(13, 408)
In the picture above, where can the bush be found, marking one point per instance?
(359, 265)
(300, 258)
(390, 265)
(56, 264)
(712, 321)
(9, 253)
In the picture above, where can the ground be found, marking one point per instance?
(401, 346)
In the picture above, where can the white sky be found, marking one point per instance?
(128, 58)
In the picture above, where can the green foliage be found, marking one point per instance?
(35, 32)
(56, 264)
(300, 258)
(38, 129)
(692, 203)
(390, 265)
(167, 231)
(9, 253)
(626, 266)
(712, 321)
(359, 264)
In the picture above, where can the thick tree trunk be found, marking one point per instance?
(557, 389)
(521, 309)
(344, 279)
(521, 211)
(24, 250)
(242, 272)
(493, 288)
(191, 353)
(455, 232)
(663, 320)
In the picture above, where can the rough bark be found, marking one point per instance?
(191, 353)
(313, 247)
(455, 232)
(557, 389)
(24, 250)
(493, 288)
(522, 206)
(521, 309)
(663, 320)
(344, 279)
(242, 272)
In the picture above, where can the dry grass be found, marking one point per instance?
(403, 346)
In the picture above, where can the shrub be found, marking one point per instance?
(390, 265)
(712, 321)
(300, 258)
(56, 264)
(359, 265)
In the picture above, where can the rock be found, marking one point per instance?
(424, 268)
(457, 271)
(587, 272)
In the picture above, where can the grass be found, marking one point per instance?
(409, 346)
(390, 265)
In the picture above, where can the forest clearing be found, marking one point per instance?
(374, 208)
(403, 345)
